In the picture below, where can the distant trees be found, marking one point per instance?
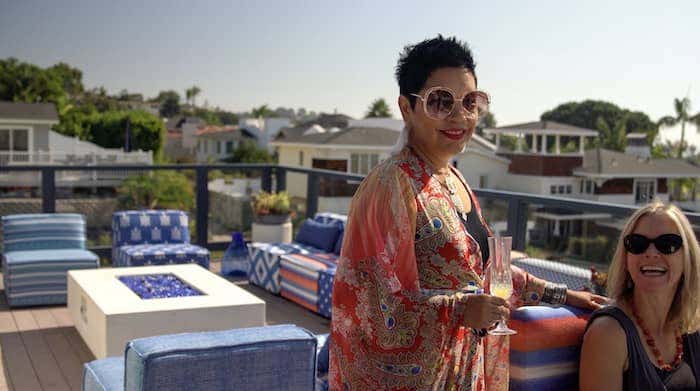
(591, 114)
(248, 152)
(169, 103)
(108, 130)
(262, 112)
(378, 109)
(682, 116)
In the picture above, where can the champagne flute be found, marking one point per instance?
(501, 283)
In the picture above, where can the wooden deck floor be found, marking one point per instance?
(42, 350)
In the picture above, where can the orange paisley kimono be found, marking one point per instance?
(405, 254)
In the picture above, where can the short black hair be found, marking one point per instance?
(418, 61)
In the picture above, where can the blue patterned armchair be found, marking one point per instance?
(154, 237)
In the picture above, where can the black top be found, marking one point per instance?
(477, 230)
(641, 374)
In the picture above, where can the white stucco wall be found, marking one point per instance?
(289, 156)
(473, 166)
(334, 204)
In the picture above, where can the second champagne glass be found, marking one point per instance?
(501, 283)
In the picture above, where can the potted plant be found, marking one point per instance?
(272, 215)
(272, 208)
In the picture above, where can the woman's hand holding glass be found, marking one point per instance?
(501, 280)
(482, 311)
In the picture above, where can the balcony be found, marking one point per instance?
(41, 347)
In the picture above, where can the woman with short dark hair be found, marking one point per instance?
(416, 241)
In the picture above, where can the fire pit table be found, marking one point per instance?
(112, 306)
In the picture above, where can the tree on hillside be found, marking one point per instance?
(585, 114)
(682, 116)
(169, 103)
(71, 78)
(23, 82)
(378, 109)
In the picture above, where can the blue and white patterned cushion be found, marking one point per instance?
(325, 292)
(264, 262)
(161, 254)
(149, 227)
(574, 277)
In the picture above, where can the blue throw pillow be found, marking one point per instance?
(339, 243)
(320, 235)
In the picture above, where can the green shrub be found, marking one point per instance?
(157, 190)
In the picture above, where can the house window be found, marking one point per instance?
(590, 186)
(568, 189)
(362, 163)
(301, 158)
(644, 191)
(483, 181)
(14, 140)
(561, 189)
(552, 189)
(229, 147)
(218, 147)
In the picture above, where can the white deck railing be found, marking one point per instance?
(86, 159)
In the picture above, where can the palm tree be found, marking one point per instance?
(194, 91)
(378, 109)
(682, 107)
(262, 112)
(613, 137)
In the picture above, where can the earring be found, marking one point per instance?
(629, 284)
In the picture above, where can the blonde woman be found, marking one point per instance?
(648, 339)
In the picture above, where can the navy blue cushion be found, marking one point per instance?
(320, 235)
(339, 243)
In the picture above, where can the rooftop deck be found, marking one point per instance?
(42, 350)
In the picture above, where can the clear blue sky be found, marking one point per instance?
(327, 55)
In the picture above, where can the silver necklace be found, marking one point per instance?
(456, 201)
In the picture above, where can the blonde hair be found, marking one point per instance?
(685, 306)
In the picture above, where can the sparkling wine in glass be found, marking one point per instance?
(501, 280)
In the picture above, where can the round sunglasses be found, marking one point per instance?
(440, 102)
(665, 244)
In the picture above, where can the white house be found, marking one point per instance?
(357, 150)
(26, 138)
(215, 143)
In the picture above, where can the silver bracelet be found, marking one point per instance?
(554, 293)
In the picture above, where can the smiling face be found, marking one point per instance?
(652, 270)
(441, 139)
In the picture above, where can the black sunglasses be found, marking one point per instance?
(666, 244)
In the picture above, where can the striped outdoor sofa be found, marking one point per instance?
(154, 237)
(544, 354)
(265, 262)
(38, 250)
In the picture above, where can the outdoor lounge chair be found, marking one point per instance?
(37, 252)
(279, 357)
(154, 237)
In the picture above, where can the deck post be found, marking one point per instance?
(202, 205)
(48, 190)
